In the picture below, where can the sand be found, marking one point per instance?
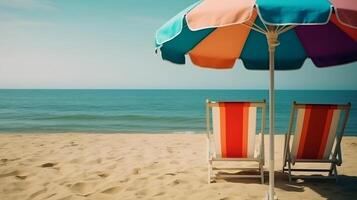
(142, 166)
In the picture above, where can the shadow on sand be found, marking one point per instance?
(344, 189)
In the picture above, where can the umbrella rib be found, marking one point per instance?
(276, 28)
(258, 29)
(286, 29)
(280, 28)
(266, 28)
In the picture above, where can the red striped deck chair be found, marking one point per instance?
(316, 131)
(232, 136)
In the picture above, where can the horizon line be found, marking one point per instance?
(309, 89)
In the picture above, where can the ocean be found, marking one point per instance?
(144, 111)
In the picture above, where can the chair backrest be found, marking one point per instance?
(234, 127)
(318, 129)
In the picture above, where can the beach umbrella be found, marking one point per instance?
(265, 35)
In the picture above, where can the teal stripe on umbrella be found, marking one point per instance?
(294, 12)
(175, 49)
(173, 27)
(290, 54)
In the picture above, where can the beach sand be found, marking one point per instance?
(143, 166)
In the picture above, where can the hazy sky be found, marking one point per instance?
(110, 44)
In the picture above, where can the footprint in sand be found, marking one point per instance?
(124, 180)
(159, 194)
(73, 144)
(22, 177)
(136, 171)
(103, 175)
(15, 173)
(111, 190)
(6, 160)
(45, 165)
(3, 161)
(49, 196)
(82, 188)
(175, 182)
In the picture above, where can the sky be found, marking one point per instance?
(110, 44)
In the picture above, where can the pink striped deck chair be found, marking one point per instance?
(317, 131)
(233, 136)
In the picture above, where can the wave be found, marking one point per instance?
(134, 117)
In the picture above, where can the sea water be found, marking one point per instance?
(144, 111)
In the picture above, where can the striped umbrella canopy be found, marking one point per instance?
(215, 33)
(265, 35)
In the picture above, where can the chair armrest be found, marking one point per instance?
(209, 150)
(286, 148)
(260, 150)
(339, 155)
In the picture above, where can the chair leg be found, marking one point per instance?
(261, 172)
(284, 165)
(209, 171)
(285, 160)
(335, 172)
(331, 169)
(284, 153)
(289, 171)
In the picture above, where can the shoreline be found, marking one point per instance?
(134, 133)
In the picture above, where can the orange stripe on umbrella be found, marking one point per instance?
(222, 47)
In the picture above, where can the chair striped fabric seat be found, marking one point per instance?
(317, 131)
(234, 129)
(233, 133)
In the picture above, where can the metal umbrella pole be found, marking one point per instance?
(272, 39)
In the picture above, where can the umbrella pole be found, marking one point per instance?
(272, 39)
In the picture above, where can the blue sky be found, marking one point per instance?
(110, 44)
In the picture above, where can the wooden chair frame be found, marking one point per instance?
(335, 160)
(211, 152)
